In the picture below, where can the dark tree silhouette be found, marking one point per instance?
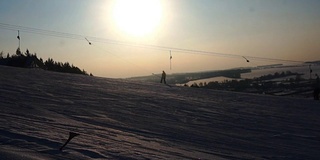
(29, 60)
(18, 52)
(51, 65)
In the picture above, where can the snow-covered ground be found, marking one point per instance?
(207, 80)
(120, 119)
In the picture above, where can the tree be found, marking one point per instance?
(18, 52)
(1, 54)
(28, 53)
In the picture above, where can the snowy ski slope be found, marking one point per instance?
(120, 119)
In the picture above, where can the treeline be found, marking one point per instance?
(29, 60)
(51, 65)
(275, 75)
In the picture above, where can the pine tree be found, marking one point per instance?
(18, 52)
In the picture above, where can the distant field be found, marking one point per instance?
(260, 72)
(207, 80)
(301, 69)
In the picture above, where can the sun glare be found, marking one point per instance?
(137, 17)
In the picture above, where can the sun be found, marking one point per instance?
(137, 17)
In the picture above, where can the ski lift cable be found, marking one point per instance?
(44, 33)
(119, 57)
(109, 41)
(36, 30)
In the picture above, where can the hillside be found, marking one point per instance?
(121, 119)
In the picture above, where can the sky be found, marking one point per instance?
(272, 29)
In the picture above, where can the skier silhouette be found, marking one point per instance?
(163, 77)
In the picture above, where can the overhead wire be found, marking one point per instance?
(148, 46)
(119, 57)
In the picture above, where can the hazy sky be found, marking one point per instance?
(280, 29)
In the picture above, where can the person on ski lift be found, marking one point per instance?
(163, 77)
